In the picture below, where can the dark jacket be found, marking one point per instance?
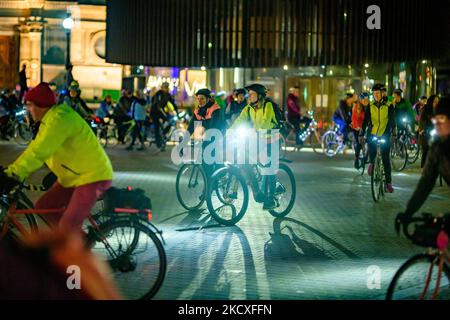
(123, 106)
(344, 112)
(209, 120)
(438, 162)
(159, 102)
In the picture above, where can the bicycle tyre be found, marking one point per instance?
(213, 186)
(396, 148)
(330, 139)
(195, 206)
(427, 258)
(376, 179)
(148, 292)
(24, 134)
(275, 212)
(412, 158)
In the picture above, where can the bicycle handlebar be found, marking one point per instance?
(426, 218)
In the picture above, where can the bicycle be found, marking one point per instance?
(378, 179)
(418, 277)
(107, 133)
(410, 141)
(124, 238)
(399, 154)
(312, 131)
(18, 127)
(227, 189)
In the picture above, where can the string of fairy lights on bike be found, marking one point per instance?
(305, 134)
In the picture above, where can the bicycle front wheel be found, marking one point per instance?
(412, 149)
(376, 180)
(285, 191)
(191, 186)
(227, 197)
(410, 281)
(330, 144)
(138, 267)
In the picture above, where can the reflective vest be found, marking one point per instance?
(208, 114)
(380, 118)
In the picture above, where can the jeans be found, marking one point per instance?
(137, 133)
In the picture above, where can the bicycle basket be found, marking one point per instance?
(128, 198)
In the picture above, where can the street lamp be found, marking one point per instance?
(68, 24)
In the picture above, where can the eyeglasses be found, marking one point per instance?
(441, 119)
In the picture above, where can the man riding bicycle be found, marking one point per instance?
(75, 101)
(342, 117)
(404, 113)
(437, 162)
(380, 119)
(295, 115)
(67, 145)
(260, 114)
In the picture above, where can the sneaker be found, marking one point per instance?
(389, 188)
(270, 204)
(370, 169)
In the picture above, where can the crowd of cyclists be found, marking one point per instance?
(65, 143)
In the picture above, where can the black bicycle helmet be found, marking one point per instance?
(204, 92)
(258, 88)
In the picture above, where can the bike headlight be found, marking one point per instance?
(433, 132)
(20, 113)
(382, 141)
(404, 120)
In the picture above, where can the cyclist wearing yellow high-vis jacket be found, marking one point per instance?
(380, 120)
(67, 145)
(260, 114)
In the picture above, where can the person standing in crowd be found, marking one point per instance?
(236, 106)
(295, 115)
(404, 113)
(3, 118)
(380, 119)
(138, 114)
(68, 78)
(23, 82)
(342, 117)
(121, 114)
(157, 114)
(358, 113)
(426, 126)
(75, 101)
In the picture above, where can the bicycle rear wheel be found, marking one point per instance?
(24, 134)
(191, 186)
(399, 155)
(227, 196)
(412, 150)
(410, 280)
(285, 191)
(138, 269)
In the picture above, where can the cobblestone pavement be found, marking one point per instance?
(322, 250)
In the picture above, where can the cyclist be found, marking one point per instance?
(404, 113)
(358, 113)
(260, 114)
(157, 114)
(343, 115)
(207, 115)
(294, 114)
(75, 101)
(236, 106)
(418, 106)
(121, 114)
(380, 119)
(106, 108)
(437, 162)
(67, 145)
(426, 126)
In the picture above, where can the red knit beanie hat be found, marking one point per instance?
(41, 95)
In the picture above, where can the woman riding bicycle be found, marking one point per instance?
(358, 113)
(261, 115)
(67, 145)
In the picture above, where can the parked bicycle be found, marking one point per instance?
(123, 237)
(425, 275)
(18, 127)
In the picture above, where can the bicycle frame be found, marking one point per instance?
(443, 257)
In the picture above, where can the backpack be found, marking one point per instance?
(125, 198)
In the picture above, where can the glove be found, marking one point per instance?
(7, 183)
(401, 219)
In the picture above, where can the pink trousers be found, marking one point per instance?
(77, 202)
